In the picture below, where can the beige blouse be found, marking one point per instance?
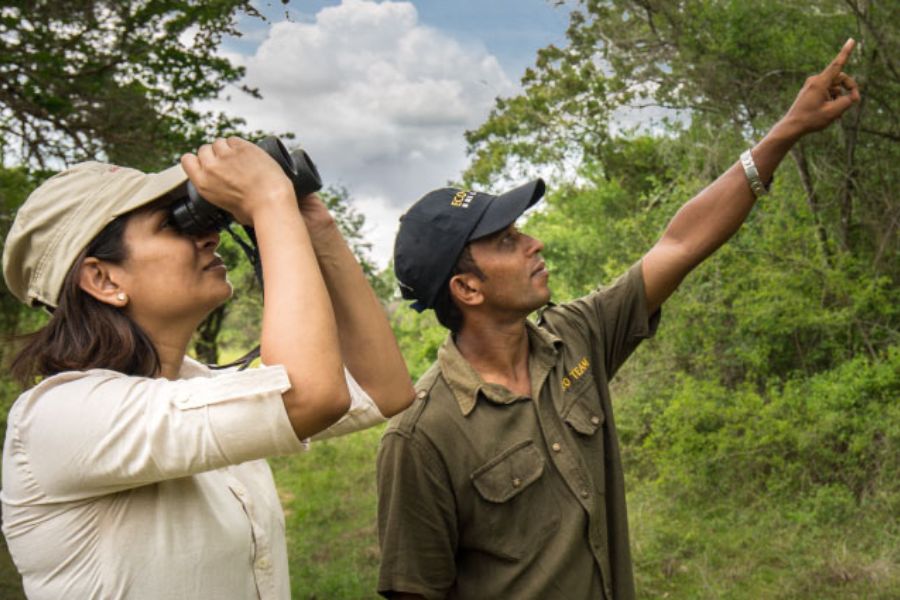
(129, 487)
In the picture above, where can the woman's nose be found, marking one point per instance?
(208, 239)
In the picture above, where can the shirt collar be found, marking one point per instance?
(465, 382)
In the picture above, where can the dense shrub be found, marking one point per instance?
(832, 436)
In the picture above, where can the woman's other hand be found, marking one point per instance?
(316, 215)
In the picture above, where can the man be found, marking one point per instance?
(504, 478)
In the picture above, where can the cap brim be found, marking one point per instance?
(506, 208)
(155, 186)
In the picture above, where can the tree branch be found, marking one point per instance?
(864, 18)
(812, 199)
(894, 137)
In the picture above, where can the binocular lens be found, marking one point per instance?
(194, 216)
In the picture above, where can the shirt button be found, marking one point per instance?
(421, 394)
(263, 563)
(556, 447)
(516, 482)
(595, 420)
(584, 493)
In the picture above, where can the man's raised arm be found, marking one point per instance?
(709, 219)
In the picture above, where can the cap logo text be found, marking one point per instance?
(462, 199)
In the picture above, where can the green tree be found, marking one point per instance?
(116, 80)
(112, 81)
(729, 69)
(734, 65)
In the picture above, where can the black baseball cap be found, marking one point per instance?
(434, 231)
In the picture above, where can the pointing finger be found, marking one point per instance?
(837, 65)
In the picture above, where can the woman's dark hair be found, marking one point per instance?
(84, 333)
(448, 313)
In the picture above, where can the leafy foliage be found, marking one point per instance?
(832, 430)
(419, 336)
(113, 81)
(732, 69)
(120, 80)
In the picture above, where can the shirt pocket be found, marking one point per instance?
(515, 509)
(585, 418)
(585, 415)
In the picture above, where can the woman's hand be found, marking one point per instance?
(237, 176)
(316, 215)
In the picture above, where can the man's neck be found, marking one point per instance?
(498, 351)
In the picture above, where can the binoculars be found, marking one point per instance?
(194, 215)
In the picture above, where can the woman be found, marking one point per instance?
(131, 470)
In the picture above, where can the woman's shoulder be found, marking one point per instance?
(68, 378)
(190, 369)
(67, 385)
(104, 384)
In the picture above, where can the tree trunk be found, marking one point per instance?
(812, 199)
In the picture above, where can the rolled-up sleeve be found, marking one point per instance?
(616, 315)
(84, 434)
(363, 412)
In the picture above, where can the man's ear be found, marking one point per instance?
(466, 289)
(99, 279)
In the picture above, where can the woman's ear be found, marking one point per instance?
(98, 279)
(466, 288)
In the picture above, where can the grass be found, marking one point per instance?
(709, 548)
(718, 549)
(329, 502)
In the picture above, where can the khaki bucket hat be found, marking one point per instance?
(61, 217)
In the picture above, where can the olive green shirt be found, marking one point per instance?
(486, 494)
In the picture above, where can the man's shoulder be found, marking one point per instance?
(567, 321)
(585, 312)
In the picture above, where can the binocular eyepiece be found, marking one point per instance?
(194, 215)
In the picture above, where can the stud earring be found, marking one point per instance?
(121, 297)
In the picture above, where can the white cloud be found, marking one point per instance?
(379, 100)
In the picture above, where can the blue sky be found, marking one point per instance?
(381, 93)
(512, 30)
